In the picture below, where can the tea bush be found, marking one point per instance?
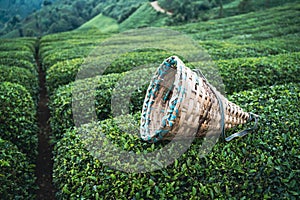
(65, 72)
(73, 35)
(274, 22)
(17, 176)
(19, 63)
(137, 58)
(17, 44)
(264, 164)
(61, 101)
(18, 118)
(70, 45)
(48, 48)
(224, 50)
(62, 73)
(14, 46)
(21, 76)
(49, 45)
(64, 54)
(247, 73)
(23, 55)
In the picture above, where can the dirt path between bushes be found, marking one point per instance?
(44, 162)
(157, 7)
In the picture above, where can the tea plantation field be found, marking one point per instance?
(256, 54)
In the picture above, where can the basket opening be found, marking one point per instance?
(161, 102)
(160, 110)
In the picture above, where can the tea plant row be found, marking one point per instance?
(18, 122)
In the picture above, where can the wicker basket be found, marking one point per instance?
(179, 99)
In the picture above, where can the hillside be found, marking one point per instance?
(144, 16)
(101, 22)
(67, 15)
(12, 12)
(72, 101)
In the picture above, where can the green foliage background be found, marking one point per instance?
(255, 48)
(65, 15)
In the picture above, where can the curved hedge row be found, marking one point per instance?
(69, 45)
(138, 58)
(62, 73)
(17, 178)
(74, 36)
(274, 22)
(65, 54)
(23, 55)
(61, 101)
(237, 74)
(269, 157)
(49, 47)
(65, 72)
(21, 76)
(247, 73)
(19, 63)
(18, 118)
(17, 44)
(14, 46)
(232, 49)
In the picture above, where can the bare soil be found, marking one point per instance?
(157, 7)
(44, 162)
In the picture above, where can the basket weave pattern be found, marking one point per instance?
(181, 103)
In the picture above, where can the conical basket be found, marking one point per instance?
(179, 99)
